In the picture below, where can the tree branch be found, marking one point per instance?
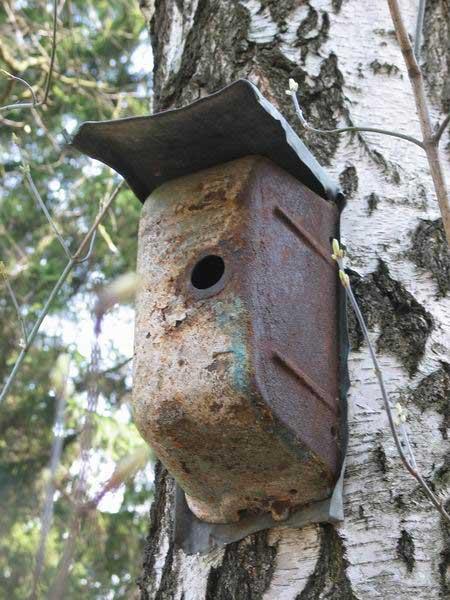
(429, 142)
(75, 259)
(36, 195)
(442, 127)
(14, 64)
(340, 130)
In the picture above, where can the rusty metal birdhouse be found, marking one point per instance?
(240, 363)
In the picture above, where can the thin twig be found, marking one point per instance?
(340, 130)
(410, 464)
(42, 102)
(75, 259)
(419, 29)
(429, 143)
(15, 303)
(442, 127)
(53, 53)
(22, 81)
(36, 195)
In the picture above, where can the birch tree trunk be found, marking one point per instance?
(345, 57)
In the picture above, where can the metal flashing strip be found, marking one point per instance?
(197, 537)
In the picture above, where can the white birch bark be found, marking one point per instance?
(392, 543)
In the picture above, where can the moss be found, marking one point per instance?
(429, 250)
(246, 570)
(404, 323)
(406, 550)
(330, 571)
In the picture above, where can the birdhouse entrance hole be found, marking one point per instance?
(207, 272)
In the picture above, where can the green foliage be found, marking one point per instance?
(95, 78)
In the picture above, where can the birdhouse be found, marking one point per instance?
(239, 362)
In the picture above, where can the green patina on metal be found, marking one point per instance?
(230, 316)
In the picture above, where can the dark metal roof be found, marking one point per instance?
(234, 122)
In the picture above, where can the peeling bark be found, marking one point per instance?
(350, 71)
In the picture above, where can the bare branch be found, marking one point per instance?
(23, 82)
(442, 127)
(36, 195)
(12, 295)
(305, 124)
(75, 259)
(429, 143)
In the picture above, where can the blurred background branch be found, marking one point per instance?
(97, 66)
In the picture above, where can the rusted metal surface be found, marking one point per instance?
(236, 383)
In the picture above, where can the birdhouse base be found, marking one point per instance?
(194, 536)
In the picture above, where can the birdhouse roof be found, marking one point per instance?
(234, 122)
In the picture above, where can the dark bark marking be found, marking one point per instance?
(381, 458)
(433, 392)
(349, 181)
(337, 5)
(436, 51)
(312, 32)
(322, 104)
(389, 169)
(330, 571)
(406, 549)
(279, 11)
(203, 67)
(429, 250)
(444, 565)
(246, 570)
(383, 68)
(405, 324)
(372, 203)
(164, 491)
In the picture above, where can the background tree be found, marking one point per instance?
(345, 57)
(96, 76)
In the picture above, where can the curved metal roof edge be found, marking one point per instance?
(88, 134)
